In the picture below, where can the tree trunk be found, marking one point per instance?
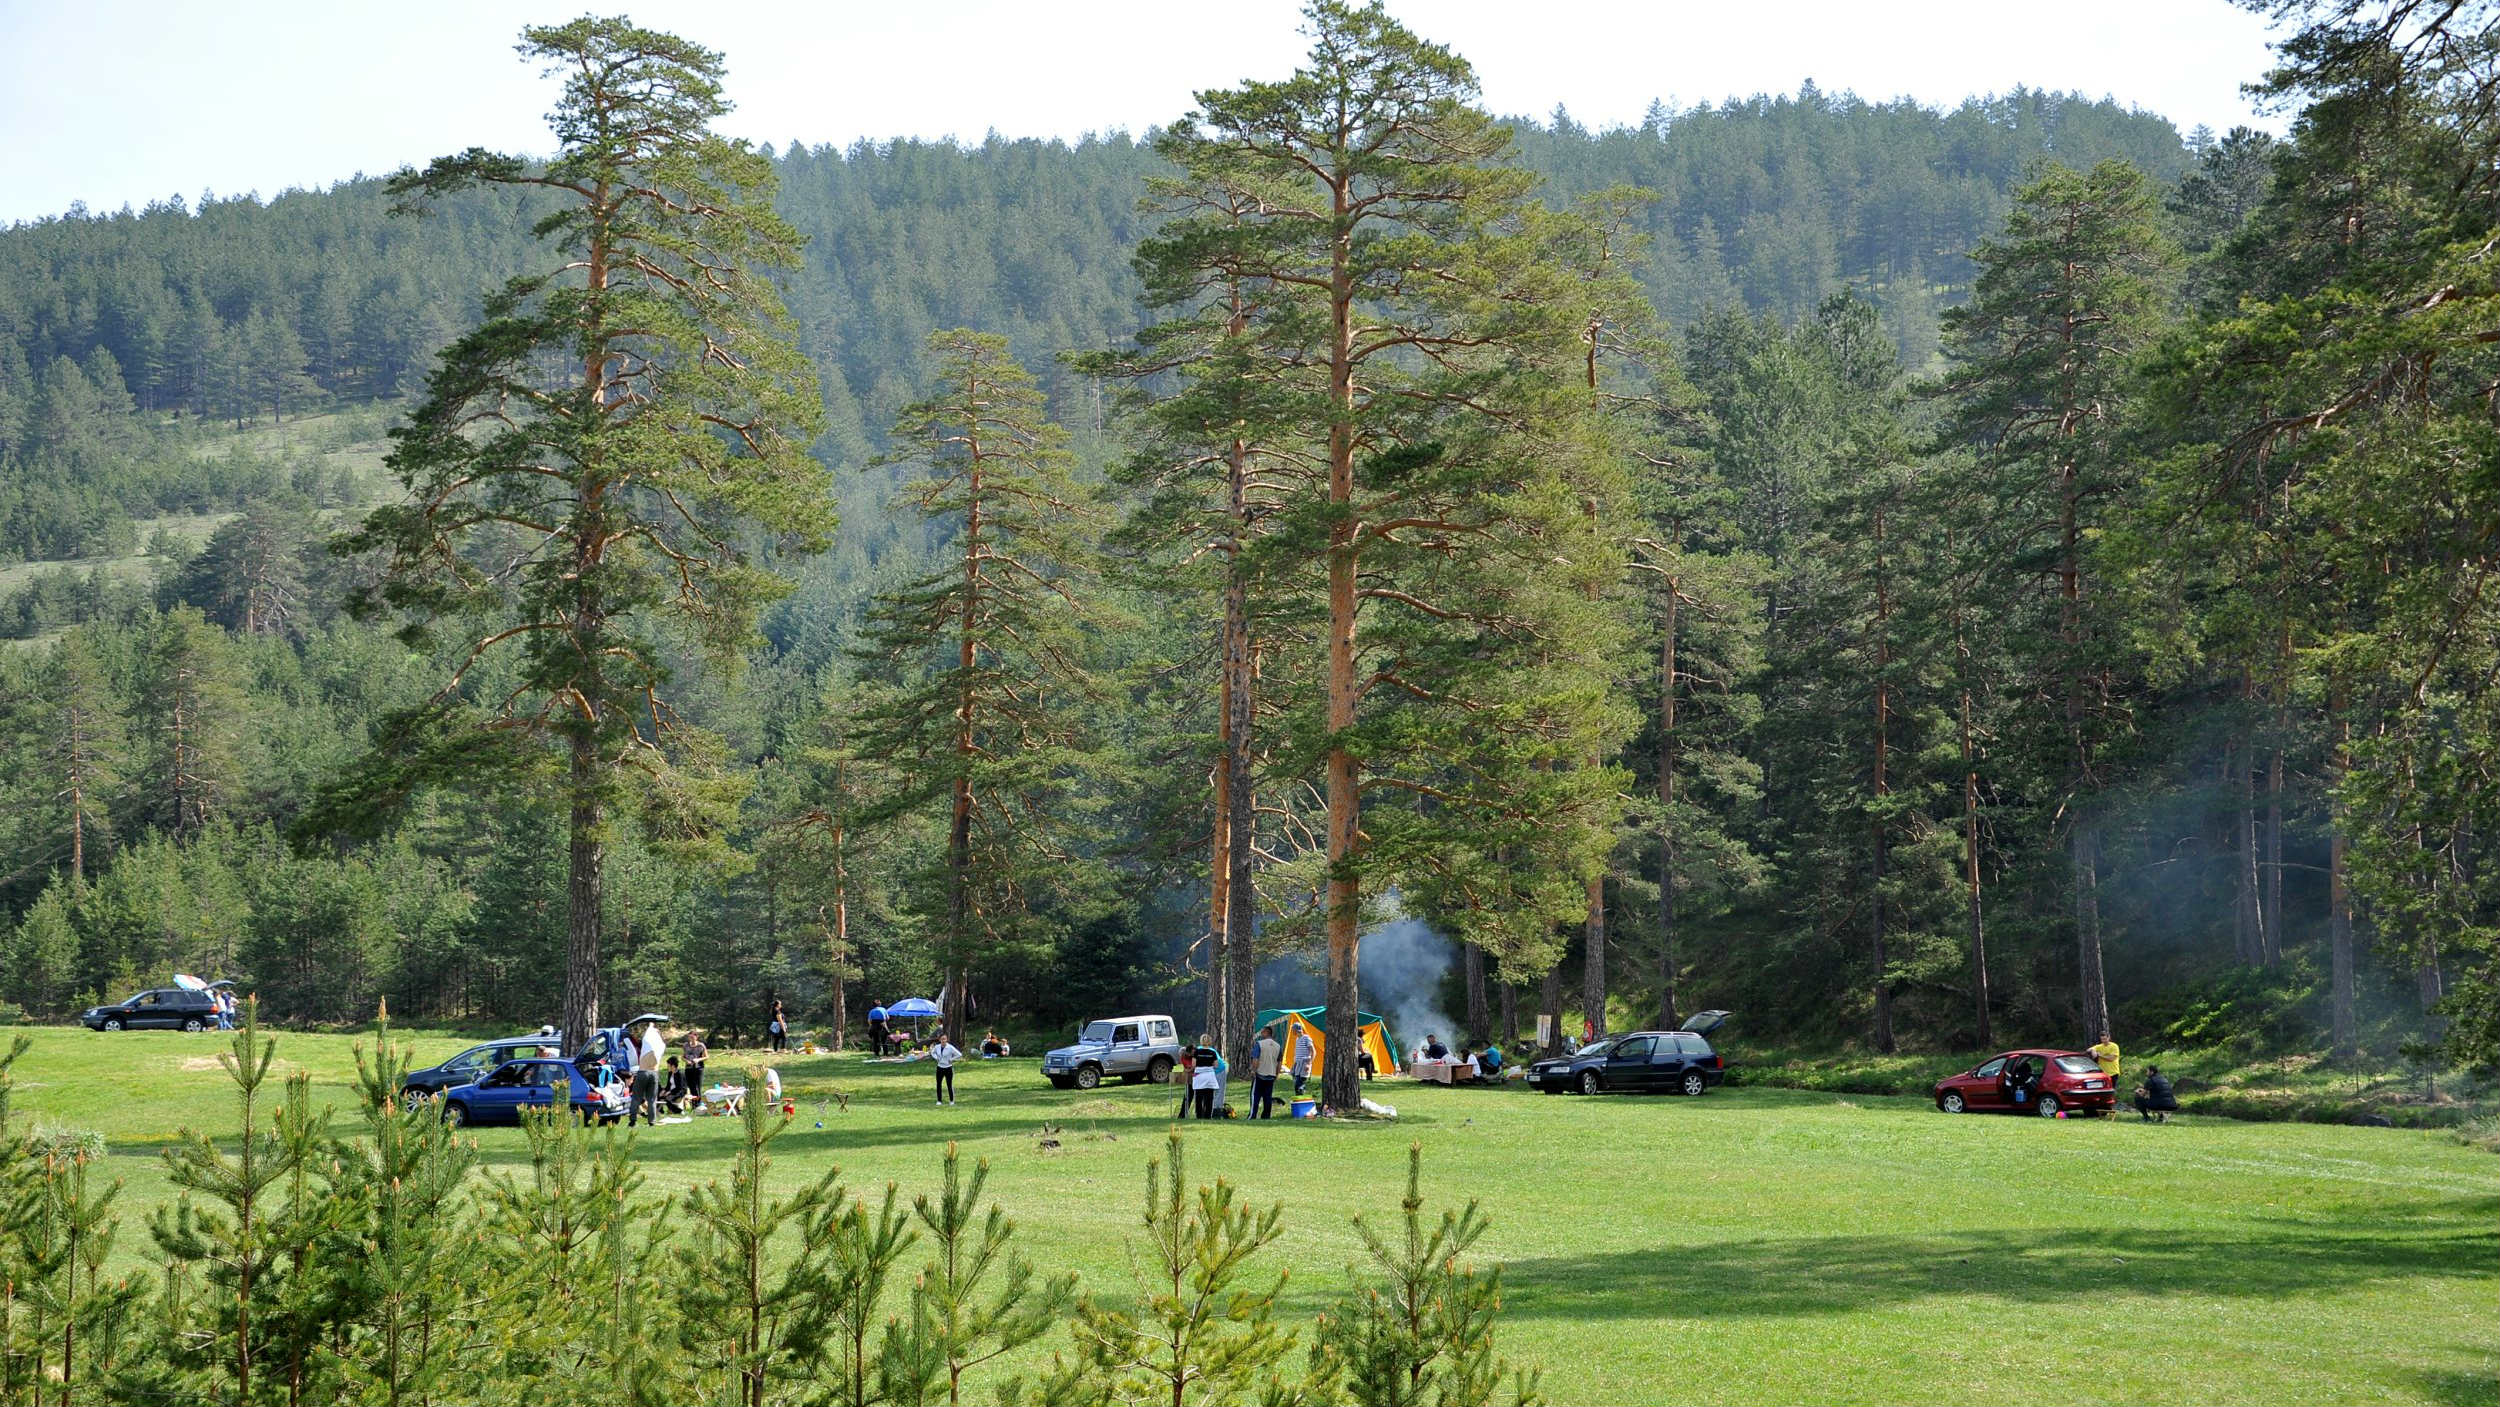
(1219, 896)
(841, 925)
(1240, 953)
(2346, 1025)
(1970, 876)
(1549, 1005)
(585, 899)
(1883, 789)
(2271, 907)
(1341, 1081)
(1510, 1012)
(1593, 960)
(959, 828)
(1479, 1011)
(2247, 904)
(1666, 809)
(2087, 861)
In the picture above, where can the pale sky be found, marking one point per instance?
(115, 101)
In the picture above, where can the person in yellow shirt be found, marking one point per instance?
(2107, 1053)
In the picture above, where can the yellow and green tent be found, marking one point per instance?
(1291, 1021)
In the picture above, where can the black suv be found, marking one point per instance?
(169, 1007)
(1641, 1062)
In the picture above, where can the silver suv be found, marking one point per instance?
(1132, 1047)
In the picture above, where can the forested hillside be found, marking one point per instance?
(1837, 655)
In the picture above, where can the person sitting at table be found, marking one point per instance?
(1433, 1049)
(1489, 1062)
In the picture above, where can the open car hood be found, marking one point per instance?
(1702, 1023)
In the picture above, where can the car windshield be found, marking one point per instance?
(2078, 1065)
(1598, 1048)
(1098, 1033)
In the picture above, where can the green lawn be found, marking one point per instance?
(1754, 1246)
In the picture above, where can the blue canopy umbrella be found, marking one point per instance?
(914, 1006)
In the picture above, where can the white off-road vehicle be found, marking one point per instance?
(1130, 1048)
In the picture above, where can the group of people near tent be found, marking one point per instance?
(1291, 1043)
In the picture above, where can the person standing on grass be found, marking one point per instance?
(646, 1086)
(696, 1053)
(876, 1032)
(1303, 1054)
(1206, 1080)
(944, 1054)
(2107, 1053)
(779, 1028)
(1268, 1058)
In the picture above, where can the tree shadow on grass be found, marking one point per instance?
(2453, 1389)
(1846, 1274)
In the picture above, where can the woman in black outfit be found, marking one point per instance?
(780, 1028)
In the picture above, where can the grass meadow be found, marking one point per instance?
(1753, 1246)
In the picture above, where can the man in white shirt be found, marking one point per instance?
(1303, 1054)
(1269, 1059)
(944, 1054)
(647, 1077)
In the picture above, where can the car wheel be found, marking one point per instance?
(112, 1023)
(413, 1100)
(1695, 1086)
(454, 1115)
(1951, 1102)
(1590, 1084)
(192, 1023)
(1159, 1069)
(1088, 1076)
(2048, 1106)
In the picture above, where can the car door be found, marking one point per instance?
(1128, 1052)
(1984, 1088)
(545, 1080)
(152, 1010)
(1669, 1061)
(501, 1095)
(1627, 1065)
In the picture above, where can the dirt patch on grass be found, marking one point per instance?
(1093, 1109)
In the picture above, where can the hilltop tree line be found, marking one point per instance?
(1978, 575)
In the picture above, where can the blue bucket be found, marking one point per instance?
(1306, 1108)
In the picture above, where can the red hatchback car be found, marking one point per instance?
(2043, 1082)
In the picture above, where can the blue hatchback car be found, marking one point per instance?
(470, 1065)
(518, 1085)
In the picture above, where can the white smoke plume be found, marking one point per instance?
(1400, 970)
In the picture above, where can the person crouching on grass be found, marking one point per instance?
(944, 1054)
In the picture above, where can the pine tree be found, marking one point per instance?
(991, 684)
(415, 1267)
(953, 1328)
(192, 705)
(1431, 343)
(1423, 1331)
(1200, 1329)
(2041, 353)
(754, 1320)
(667, 418)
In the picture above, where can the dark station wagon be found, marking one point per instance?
(1681, 1061)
